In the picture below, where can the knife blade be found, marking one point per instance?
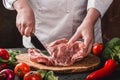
(37, 43)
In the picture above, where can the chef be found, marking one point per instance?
(55, 19)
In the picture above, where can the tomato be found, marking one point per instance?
(21, 69)
(32, 75)
(97, 48)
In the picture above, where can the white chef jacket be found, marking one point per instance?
(57, 19)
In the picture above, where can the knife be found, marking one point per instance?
(37, 43)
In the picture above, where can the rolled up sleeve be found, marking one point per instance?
(8, 4)
(100, 5)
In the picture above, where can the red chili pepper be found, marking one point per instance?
(109, 67)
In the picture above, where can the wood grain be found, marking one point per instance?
(88, 63)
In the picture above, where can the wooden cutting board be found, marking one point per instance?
(88, 63)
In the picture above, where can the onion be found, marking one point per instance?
(7, 74)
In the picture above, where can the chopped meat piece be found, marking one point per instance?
(37, 56)
(61, 53)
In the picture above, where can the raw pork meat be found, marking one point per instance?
(61, 53)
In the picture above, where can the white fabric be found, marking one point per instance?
(9, 4)
(100, 5)
(56, 19)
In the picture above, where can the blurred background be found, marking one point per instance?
(11, 38)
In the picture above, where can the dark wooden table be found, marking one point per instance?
(80, 75)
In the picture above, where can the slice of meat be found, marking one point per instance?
(61, 53)
(52, 47)
(37, 56)
(78, 49)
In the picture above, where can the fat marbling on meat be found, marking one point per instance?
(61, 53)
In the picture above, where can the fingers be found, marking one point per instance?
(88, 42)
(33, 28)
(25, 29)
(23, 26)
(89, 48)
(75, 37)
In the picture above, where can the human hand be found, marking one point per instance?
(86, 32)
(25, 21)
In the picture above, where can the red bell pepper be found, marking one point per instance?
(4, 56)
(109, 67)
